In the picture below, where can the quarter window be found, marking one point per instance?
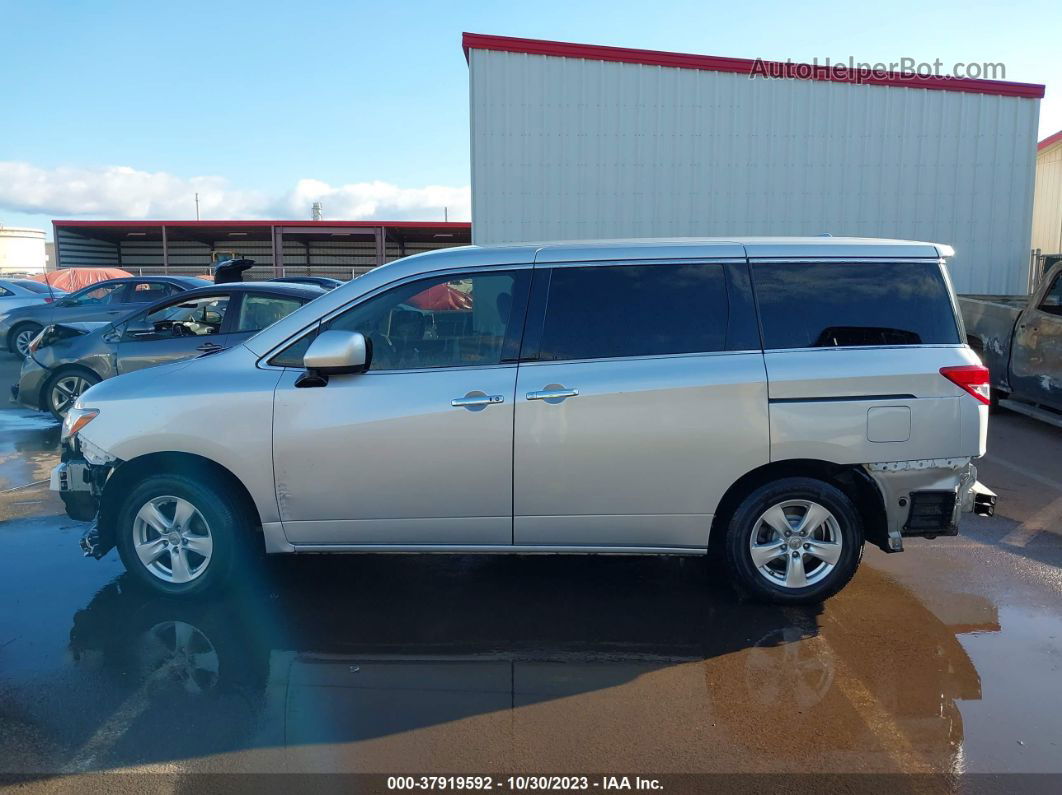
(450, 321)
(835, 304)
(634, 310)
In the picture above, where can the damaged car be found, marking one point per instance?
(65, 359)
(773, 402)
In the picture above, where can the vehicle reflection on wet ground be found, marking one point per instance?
(944, 659)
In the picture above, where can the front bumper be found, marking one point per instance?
(926, 498)
(80, 486)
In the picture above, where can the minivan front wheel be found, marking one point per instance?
(177, 535)
(794, 541)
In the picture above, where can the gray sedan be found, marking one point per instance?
(16, 293)
(68, 358)
(100, 302)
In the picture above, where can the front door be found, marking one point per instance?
(418, 450)
(636, 412)
(104, 302)
(1036, 356)
(177, 330)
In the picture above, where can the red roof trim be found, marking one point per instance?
(595, 52)
(1049, 141)
(259, 223)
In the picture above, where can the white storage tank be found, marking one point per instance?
(21, 250)
(575, 141)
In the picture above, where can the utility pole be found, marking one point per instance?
(197, 207)
(446, 214)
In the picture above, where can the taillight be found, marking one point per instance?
(971, 377)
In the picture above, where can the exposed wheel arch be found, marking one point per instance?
(129, 473)
(851, 479)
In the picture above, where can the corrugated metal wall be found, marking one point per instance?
(340, 259)
(1047, 204)
(78, 251)
(570, 148)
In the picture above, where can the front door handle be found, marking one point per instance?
(558, 393)
(475, 401)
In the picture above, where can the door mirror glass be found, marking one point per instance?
(337, 352)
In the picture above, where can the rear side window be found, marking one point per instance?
(146, 292)
(33, 287)
(634, 310)
(834, 304)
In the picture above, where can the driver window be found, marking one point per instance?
(97, 296)
(195, 317)
(451, 321)
(1052, 301)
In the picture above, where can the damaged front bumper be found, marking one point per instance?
(79, 484)
(927, 497)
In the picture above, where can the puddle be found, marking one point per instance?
(12, 420)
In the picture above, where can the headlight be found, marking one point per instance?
(75, 420)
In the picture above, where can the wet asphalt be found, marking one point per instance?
(945, 659)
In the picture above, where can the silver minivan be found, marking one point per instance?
(777, 401)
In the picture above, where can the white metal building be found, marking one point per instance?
(574, 141)
(1047, 204)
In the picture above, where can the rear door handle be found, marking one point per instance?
(552, 394)
(207, 347)
(473, 401)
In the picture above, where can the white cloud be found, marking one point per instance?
(380, 201)
(124, 192)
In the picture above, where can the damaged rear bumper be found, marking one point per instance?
(927, 497)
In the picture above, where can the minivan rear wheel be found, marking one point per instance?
(794, 541)
(177, 535)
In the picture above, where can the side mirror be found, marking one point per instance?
(338, 352)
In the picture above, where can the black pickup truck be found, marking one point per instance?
(1019, 338)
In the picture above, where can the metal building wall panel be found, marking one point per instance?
(569, 148)
(1047, 203)
(77, 251)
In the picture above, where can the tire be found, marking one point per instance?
(20, 336)
(62, 389)
(216, 518)
(772, 575)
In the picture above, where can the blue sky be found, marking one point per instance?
(115, 108)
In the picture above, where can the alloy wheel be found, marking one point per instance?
(172, 539)
(23, 339)
(795, 543)
(66, 391)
